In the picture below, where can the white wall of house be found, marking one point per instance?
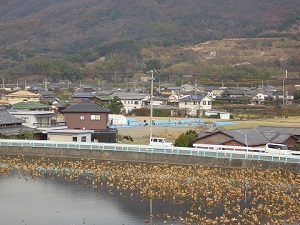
(193, 107)
(130, 104)
(86, 137)
(34, 118)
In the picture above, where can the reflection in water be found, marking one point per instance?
(51, 201)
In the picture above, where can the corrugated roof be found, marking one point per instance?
(87, 107)
(29, 105)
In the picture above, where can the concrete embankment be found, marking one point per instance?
(146, 158)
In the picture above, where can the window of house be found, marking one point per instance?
(136, 102)
(204, 102)
(195, 103)
(209, 103)
(74, 138)
(95, 117)
(185, 103)
(81, 117)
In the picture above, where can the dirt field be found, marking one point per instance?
(141, 134)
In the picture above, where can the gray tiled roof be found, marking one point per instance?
(7, 118)
(281, 130)
(14, 129)
(255, 137)
(86, 106)
(192, 98)
(280, 138)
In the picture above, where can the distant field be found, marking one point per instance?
(141, 134)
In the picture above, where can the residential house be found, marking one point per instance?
(9, 124)
(70, 135)
(260, 98)
(47, 97)
(213, 91)
(105, 99)
(173, 97)
(234, 93)
(245, 137)
(167, 91)
(186, 88)
(82, 96)
(86, 115)
(132, 101)
(29, 105)
(34, 119)
(21, 96)
(295, 131)
(278, 96)
(159, 100)
(195, 105)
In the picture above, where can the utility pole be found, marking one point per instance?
(151, 101)
(46, 89)
(283, 93)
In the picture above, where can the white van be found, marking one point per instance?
(279, 149)
(162, 142)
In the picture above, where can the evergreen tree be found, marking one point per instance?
(186, 139)
(116, 105)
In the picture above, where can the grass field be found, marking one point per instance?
(141, 134)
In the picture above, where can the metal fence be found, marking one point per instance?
(203, 151)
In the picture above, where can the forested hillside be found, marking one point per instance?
(77, 37)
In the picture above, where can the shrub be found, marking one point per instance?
(186, 139)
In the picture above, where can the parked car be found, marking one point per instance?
(162, 142)
(279, 149)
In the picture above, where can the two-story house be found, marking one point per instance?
(21, 96)
(195, 105)
(86, 115)
(131, 100)
(9, 124)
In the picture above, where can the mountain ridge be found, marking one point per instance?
(83, 31)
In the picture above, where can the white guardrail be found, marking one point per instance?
(203, 150)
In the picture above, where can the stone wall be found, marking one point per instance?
(146, 158)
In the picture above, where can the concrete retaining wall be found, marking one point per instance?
(145, 158)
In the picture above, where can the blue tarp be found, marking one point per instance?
(132, 122)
